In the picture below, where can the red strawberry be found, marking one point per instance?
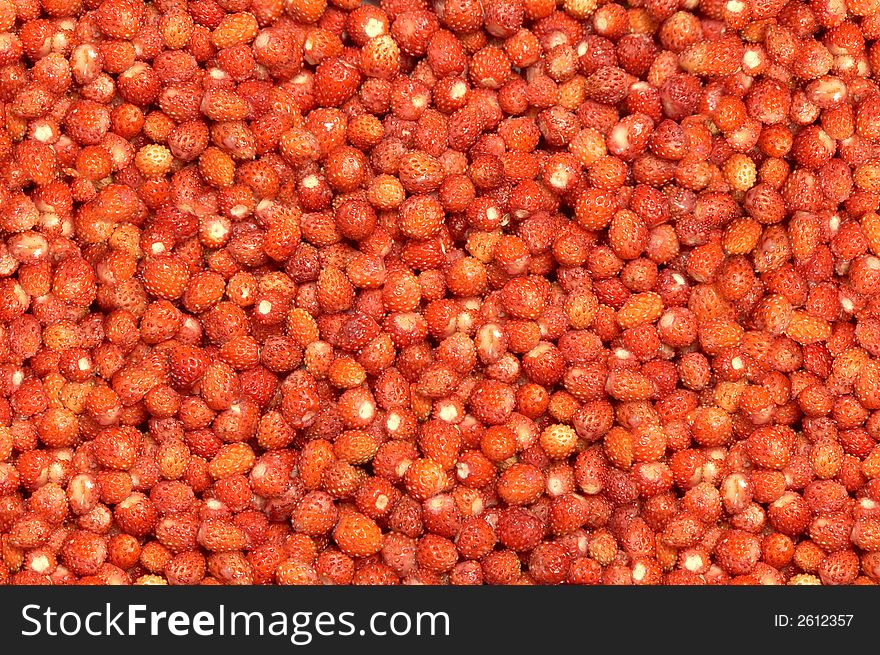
(737, 552)
(221, 536)
(335, 82)
(357, 536)
(83, 552)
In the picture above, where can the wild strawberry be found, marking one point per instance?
(376, 497)
(235, 29)
(29, 532)
(518, 530)
(230, 568)
(335, 82)
(380, 57)
(558, 441)
(520, 484)
(737, 552)
(186, 568)
(217, 167)
(74, 282)
(224, 105)
(87, 121)
(425, 478)
(120, 19)
(628, 385)
(83, 552)
(221, 536)
(357, 536)
(420, 217)
(831, 531)
(640, 309)
(492, 402)
(549, 563)
(232, 459)
(165, 276)
(116, 448)
(136, 515)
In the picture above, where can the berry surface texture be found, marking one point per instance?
(442, 292)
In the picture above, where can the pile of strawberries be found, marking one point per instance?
(439, 292)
